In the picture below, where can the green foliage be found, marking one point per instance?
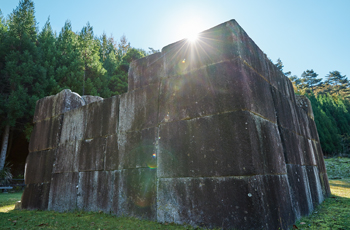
(338, 167)
(5, 174)
(331, 106)
(333, 122)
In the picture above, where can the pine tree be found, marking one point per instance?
(309, 80)
(339, 83)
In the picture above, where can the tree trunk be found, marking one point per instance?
(5, 140)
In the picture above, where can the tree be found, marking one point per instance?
(23, 80)
(48, 55)
(338, 82)
(94, 82)
(280, 66)
(70, 65)
(309, 80)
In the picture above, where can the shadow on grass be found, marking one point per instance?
(334, 212)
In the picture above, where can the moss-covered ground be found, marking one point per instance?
(333, 213)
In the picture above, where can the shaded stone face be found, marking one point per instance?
(210, 134)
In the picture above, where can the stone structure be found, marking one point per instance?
(209, 134)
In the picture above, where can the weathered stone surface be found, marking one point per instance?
(102, 118)
(286, 112)
(222, 87)
(57, 104)
(74, 125)
(210, 133)
(46, 134)
(280, 82)
(139, 109)
(138, 149)
(92, 154)
(292, 147)
(67, 159)
(35, 196)
(146, 71)
(239, 202)
(95, 191)
(325, 184)
(138, 193)
(90, 99)
(300, 190)
(224, 42)
(112, 153)
(315, 185)
(63, 191)
(39, 167)
(218, 146)
(304, 103)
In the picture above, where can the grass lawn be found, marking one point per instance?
(333, 213)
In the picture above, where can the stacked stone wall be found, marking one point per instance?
(209, 134)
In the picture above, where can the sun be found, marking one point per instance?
(190, 29)
(192, 37)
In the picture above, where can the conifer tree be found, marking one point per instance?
(23, 79)
(70, 70)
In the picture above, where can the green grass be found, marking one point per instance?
(8, 200)
(338, 167)
(333, 213)
(24, 219)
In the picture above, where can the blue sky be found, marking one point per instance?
(306, 34)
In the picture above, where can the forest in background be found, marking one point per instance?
(36, 63)
(329, 97)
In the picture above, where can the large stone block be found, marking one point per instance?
(319, 157)
(102, 117)
(138, 193)
(63, 191)
(92, 154)
(224, 42)
(218, 88)
(254, 202)
(315, 185)
(74, 125)
(60, 103)
(112, 153)
(146, 71)
(46, 134)
(304, 103)
(39, 167)
(67, 159)
(95, 191)
(304, 123)
(300, 190)
(36, 196)
(138, 149)
(325, 185)
(287, 113)
(139, 109)
(229, 144)
(292, 147)
(280, 82)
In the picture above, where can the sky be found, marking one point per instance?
(304, 34)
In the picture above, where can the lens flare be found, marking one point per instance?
(192, 37)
